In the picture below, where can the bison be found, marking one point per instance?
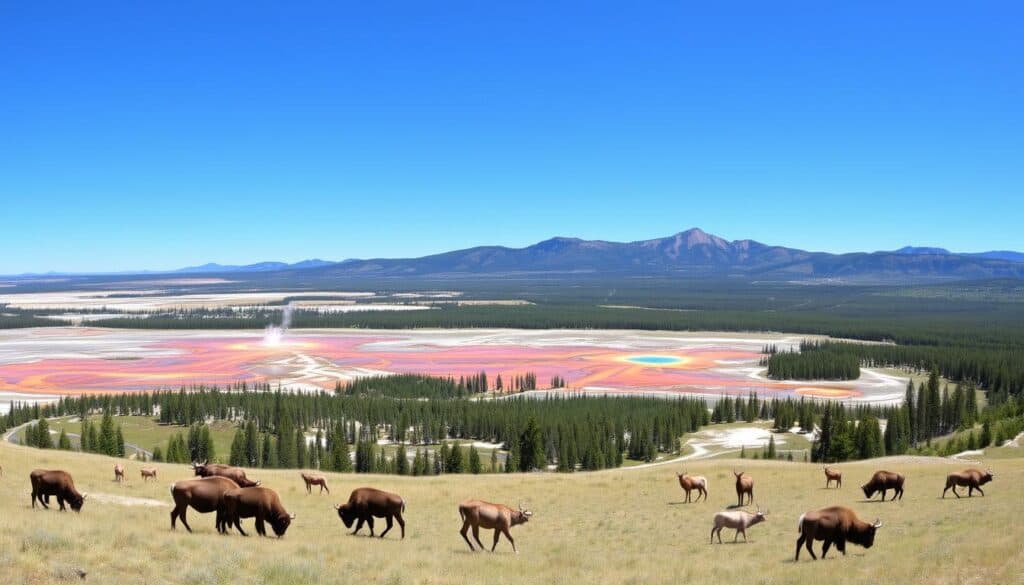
(883, 481)
(740, 520)
(972, 479)
(46, 483)
(148, 473)
(205, 495)
(118, 472)
(836, 525)
(256, 502)
(478, 514)
(831, 475)
(364, 504)
(744, 486)
(693, 482)
(312, 480)
(235, 474)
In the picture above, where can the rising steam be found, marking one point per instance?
(273, 333)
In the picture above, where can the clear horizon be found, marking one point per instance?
(169, 136)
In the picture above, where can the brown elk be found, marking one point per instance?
(744, 486)
(118, 472)
(693, 482)
(46, 483)
(148, 473)
(739, 520)
(256, 502)
(235, 474)
(477, 514)
(883, 481)
(832, 474)
(972, 479)
(203, 495)
(312, 480)
(836, 525)
(364, 504)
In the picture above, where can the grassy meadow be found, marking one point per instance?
(619, 526)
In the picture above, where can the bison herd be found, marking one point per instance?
(226, 491)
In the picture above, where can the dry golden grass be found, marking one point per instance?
(624, 526)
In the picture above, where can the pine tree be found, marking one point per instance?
(108, 438)
(83, 440)
(64, 442)
(158, 455)
(770, 454)
(531, 447)
(43, 438)
(455, 463)
(267, 453)
(252, 445)
(301, 452)
(237, 456)
(119, 442)
(443, 457)
(494, 461)
(286, 456)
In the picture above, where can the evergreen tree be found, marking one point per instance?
(494, 461)
(455, 463)
(401, 460)
(252, 445)
(770, 453)
(267, 453)
(237, 456)
(158, 455)
(64, 442)
(119, 442)
(301, 452)
(108, 436)
(43, 438)
(83, 440)
(531, 447)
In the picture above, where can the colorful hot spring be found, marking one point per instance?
(654, 360)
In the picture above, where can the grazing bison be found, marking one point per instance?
(256, 502)
(972, 479)
(883, 481)
(312, 480)
(235, 474)
(477, 514)
(46, 483)
(204, 495)
(744, 486)
(118, 472)
(148, 473)
(836, 525)
(739, 520)
(364, 504)
(833, 475)
(693, 482)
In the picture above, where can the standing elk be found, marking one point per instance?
(883, 481)
(836, 525)
(312, 480)
(739, 520)
(831, 475)
(477, 514)
(972, 479)
(46, 483)
(744, 486)
(148, 473)
(364, 504)
(693, 482)
(118, 472)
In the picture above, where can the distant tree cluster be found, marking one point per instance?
(814, 361)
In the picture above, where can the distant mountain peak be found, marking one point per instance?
(923, 250)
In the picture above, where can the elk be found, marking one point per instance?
(836, 525)
(118, 472)
(740, 520)
(312, 480)
(883, 481)
(364, 504)
(501, 518)
(972, 479)
(744, 486)
(831, 475)
(693, 482)
(148, 473)
(46, 483)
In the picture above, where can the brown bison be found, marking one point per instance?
(256, 502)
(364, 504)
(744, 486)
(204, 495)
(693, 482)
(833, 475)
(836, 525)
(118, 472)
(312, 480)
(46, 483)
(148, 473)
(972, 479)
(883, 481)
(235, 474)
(501, 518)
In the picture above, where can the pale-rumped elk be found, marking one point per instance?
(235, 474)
(148, 473)
(365, 503)
(883, 481)
(836, 525)
(693, 482)
(477, 514)
(738, 520)
(312, 480)
(118, 472)
(203, 495)
(260, 503)
(744, 486)
(55, 482)
(972, 479)
(832, 474)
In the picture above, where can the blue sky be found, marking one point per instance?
(142, 136)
